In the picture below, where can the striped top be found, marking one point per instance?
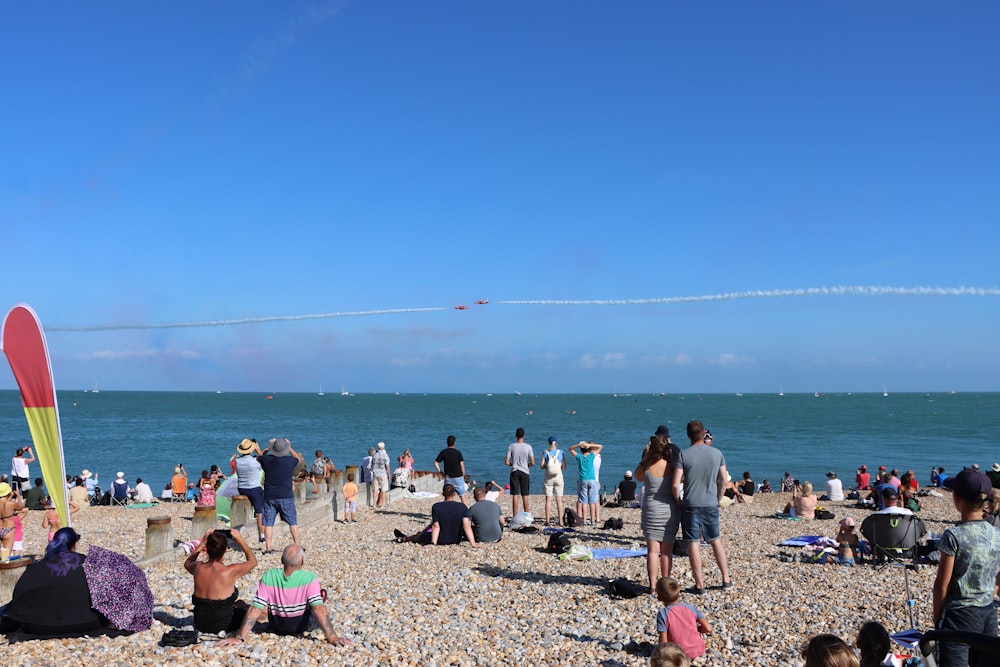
(288, 600)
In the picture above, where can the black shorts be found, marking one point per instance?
(256, 497)
(519, 483)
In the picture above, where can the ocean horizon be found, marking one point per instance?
(146, 433)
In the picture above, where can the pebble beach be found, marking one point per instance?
(509, 603)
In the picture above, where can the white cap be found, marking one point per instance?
(381, 445)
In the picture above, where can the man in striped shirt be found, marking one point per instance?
(292, 600)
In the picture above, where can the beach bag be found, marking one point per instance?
(577, 552)
(614, 524)
(571, 519)
(824, 514)
(624, 588)
(558, 543)
(521, 520)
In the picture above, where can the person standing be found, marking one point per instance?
(968, 571)
(380, 475)
(553, 464)
(454, 466)
(248, 479)
(20, 474)
(520, 458)
(702, 469)
(660, 513)
(588, 488)
(366, 476)
(278, 462)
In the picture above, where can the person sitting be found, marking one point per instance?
(668, 654)
(52, 598)
(206, 493)
(834, 487)
(449, 522)
(216, 601)
(494, 491)
(626, 490)
(167, 493)
(487, 518)
(143, 494)
(292, 600)
(847, 543)
(890, 501)
(907, 494)
(828, 651)
(745, 489)
(803, 505)
(78, 493)
(941, 477)
(179, 484)
(862, 479)
(874, 643)
(765, 487)
(34, 499)
(90, 479)
(119, 489)
(52, 521)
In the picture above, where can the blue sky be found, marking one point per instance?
(205, 162)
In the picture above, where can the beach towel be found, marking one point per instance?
(139, 506)
(801, 541)
(421, 494)
(787, 517)
(550, 530)
(604, 553)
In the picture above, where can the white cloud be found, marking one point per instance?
(607, 360)
(730, 359)
(116, 355)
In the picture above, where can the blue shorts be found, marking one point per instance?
(458, 483)
(587, 491)
(255, 496)
(283, 506)
(700, 523)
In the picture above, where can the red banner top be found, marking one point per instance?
(25, 348)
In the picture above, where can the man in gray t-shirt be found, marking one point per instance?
(520, 457)
(702, 471)
(487, 519)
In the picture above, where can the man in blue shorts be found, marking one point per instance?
(702, 470)
(278, 462)
(454, 466)
(520, 457)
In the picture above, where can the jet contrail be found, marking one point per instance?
(242, 320)
(770, 294)
(726, 296)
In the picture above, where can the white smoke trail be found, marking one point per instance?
(770, 294)
(726, 296)
(242, 320)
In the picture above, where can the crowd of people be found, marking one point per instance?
(682, 492)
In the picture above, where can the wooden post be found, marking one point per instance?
(299, 489)
(204, 520)
(10, 572)
(159, 535)
(241, 512)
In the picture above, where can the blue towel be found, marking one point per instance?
(801, 541)
(601, 554)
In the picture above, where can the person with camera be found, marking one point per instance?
(216, 599)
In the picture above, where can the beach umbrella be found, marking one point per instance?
(118, 590)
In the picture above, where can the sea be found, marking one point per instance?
(146, 434)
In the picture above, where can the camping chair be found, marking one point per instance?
(893, 539)
(119, 495)
(980, 645)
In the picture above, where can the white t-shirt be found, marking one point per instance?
(18, 467)
(835, 489)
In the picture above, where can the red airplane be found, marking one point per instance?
(461, 307)
(482, 302)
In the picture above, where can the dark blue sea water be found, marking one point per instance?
(145, 434)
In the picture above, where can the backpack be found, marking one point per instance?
(558, 543)
(553, 466)
(624, 588)
(571, 519)
(614, 524)
(824, 514)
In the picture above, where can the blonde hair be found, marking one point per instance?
(668, 654)
(807, 489)
(829, 651)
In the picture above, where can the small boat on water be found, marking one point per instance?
(321, 391)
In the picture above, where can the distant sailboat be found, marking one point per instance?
(344, 392)
(884, 392)
(321, 391)
(781, 390)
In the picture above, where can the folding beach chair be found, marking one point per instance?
(894, 538)
(983, 650)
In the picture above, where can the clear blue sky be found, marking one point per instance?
(182, 162)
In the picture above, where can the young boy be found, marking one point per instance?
(350, 499)
(967, 573)
(668, 655)
(680, 623)
(847, 542)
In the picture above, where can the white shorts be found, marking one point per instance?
(553, 486)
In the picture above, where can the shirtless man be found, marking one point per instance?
(215, 597)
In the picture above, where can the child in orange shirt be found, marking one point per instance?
(350, 499)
